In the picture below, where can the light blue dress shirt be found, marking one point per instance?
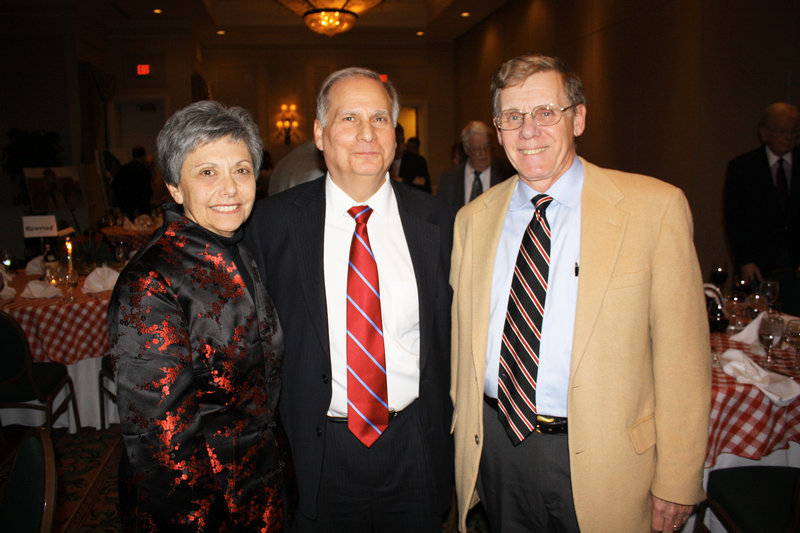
(558, 323)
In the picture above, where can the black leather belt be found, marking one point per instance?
(545, 425)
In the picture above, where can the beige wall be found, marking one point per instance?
(674, 88)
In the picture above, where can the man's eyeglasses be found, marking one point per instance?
(543, 115)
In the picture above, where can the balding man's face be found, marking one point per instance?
(780, 134)
(479, 151)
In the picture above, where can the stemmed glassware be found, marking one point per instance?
(770, 333)
(769, 290)
(70, 281)
(717, 322)
(719, 275)
(791, 334)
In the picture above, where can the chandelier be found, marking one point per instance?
(329, 17)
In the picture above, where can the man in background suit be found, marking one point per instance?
(402, 479)
(609, 431)
(458, 185)
(762, 203)
(408, 166)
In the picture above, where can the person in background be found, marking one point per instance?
(581, 367)
(457, 154)
(412, 145)
(131, 188)
(408, 166)
(357, 265)
(304, 163)
(462, 184)
(762, 205)
(198, 346)
(264, 175)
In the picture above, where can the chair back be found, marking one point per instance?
(30, 502)
(16, 353)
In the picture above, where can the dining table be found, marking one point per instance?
(133, 237)
(71, 332)
(746, 427)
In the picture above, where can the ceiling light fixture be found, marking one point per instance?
(329, 17)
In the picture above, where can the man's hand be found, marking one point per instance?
(419, 180)
(751, 272)
(668, 516)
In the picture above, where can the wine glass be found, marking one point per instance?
(770, 333)
(791, 334)
(769, 289)
(718, 321)
(70, 281)
(121, 252)
(719, 275)
(757, 303)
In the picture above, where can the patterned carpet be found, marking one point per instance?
(87, 477)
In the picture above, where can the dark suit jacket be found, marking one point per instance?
(754, 224)
(286, 235)
(451, 185)
(412, 166)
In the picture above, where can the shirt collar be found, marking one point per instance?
(565, 191)
(772, 158)
(339, 202)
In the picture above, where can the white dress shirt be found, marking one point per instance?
(558, 323)
(398, 290)
(787, 166)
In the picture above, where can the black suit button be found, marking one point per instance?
(325, 379)
(477, 439)
(319, 431)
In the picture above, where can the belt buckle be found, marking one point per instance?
(541, 429)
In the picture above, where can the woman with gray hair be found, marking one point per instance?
(198, 346)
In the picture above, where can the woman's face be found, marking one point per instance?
(217, 186)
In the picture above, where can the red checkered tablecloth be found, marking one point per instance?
(59, 330)
(744, 421)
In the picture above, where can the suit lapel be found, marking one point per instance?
(423, 241)
(602, 229)
(307, 232)
(488, 226)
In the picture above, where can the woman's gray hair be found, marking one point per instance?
(323, 98)
(200, 123)
(515, 71)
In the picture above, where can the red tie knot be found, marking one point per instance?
(360, 213)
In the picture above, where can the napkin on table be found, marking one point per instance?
(749, 335)
(34, 266)
(100, 279)
(780, 389)
(40, 289)
(8, 293)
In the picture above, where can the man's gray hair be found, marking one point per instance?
(474, 126)
(323, 98)
(515, 71)
(201, 123)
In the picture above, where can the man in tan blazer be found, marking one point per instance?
(622, 395)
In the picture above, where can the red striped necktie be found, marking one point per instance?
(522, 333)
(367, 408)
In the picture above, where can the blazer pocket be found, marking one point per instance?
(628, 279)
(643, 434)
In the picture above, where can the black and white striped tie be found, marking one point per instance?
(522, 333)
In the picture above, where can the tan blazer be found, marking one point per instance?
(640, 375)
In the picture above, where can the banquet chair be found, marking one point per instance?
(22, 381)
(30, 499)
(106, 373)
(753, 499)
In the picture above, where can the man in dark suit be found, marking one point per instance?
(395, 475)
(459, 185)
(132, 187)
(408, 166)
(762, 204)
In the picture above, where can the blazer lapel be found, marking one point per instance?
(488, 223)
(423, 240)
(307, 230)
(602, 229)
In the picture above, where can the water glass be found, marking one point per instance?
(770, 333)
